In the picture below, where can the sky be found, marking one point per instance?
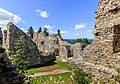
(74, 18)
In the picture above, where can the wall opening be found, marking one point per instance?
(116, 39)
(69, 52)
(56, 52)
(42, 42)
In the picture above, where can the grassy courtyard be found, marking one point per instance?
(61, 78)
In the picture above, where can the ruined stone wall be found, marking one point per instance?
(4, 38)
(76, 50)
(54, 45)
(1, 36)
(11, 37)
(106, 35)
(8, 75)
(46, 45)
(102, 57)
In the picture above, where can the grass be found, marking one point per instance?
(118, 70)
(65, 65)
(117, 78)
(63, 78)
(107, 81)
(45, 68)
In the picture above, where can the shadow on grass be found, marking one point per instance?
(46, 64)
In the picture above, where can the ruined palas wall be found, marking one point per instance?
(7, 73)
(46, 45)
(53, 47)
(106, 34)
(11, 37)
(103, 55)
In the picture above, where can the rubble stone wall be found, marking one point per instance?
(54, 45)
(7, 73)
(11, 37)
(102, 57)
(106, 35)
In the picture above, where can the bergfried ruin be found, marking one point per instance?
(100, 59)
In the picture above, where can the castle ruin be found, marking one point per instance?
(100, 59)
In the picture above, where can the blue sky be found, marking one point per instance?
(75, 18)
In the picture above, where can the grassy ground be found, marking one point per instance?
(65, 78)
(117, 78)
(46, 68)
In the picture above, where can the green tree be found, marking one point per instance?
(79, 75)
(40, 30)
(84, 41)
(30, 32)
(19, 55)
(59, 32)
(46, 32)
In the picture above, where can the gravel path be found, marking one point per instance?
(57, 71)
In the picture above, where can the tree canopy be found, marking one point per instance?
(46, 32)
(40, 30)
(30, 31)
(59, 32)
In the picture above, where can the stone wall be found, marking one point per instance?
(106, 35)
(102, 57)
(46, 45)
(7, 73)
(11, 37)
(1, 36)
(54, 45)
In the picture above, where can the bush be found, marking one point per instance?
(80, 76)
(117, 78)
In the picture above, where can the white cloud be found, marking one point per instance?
(90, 30)
(37, 10)
(42, 13)
(49, 27)
(24, 30)
(79, 26)
(77, 34)
(6, 16)
(63, 32)
(24, 21)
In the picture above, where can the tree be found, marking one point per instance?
(19, 55)
(30, 32)
(46, 32)
(59, 32)
(40, 30)
(84, 41)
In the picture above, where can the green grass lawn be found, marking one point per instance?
(35, 69)
(65, 65)
(64, 78)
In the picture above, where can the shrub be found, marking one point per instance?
(80, 76)
(117, 78)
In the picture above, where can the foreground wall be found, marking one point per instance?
(11, 37)
(7, 73)
(102, 57)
